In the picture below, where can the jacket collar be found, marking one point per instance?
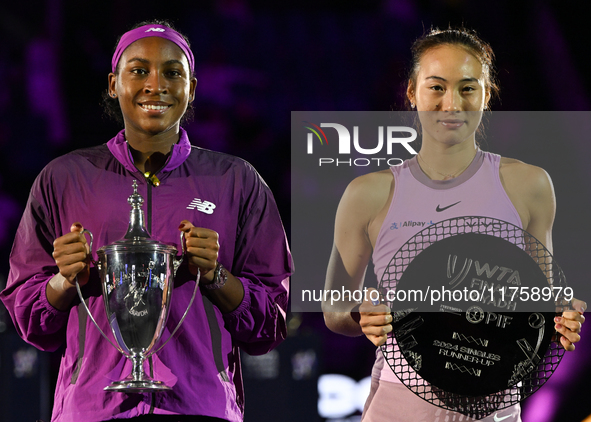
(120, 150)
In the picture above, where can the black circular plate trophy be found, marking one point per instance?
(473, 302)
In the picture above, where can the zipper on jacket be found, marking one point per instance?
(152, 181)
(149, 207)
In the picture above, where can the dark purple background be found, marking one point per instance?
(256, 61)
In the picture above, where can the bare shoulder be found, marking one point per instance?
(366, 195)
(525, 179)
(371, 190)
(530, 190)
(372, 181)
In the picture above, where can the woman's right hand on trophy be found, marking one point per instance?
(71, 253)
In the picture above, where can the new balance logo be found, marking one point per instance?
(155, 29)
(203, 206)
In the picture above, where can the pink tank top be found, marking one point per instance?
(419, 201)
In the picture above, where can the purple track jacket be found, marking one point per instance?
(202, 363)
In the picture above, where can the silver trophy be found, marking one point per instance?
(137, 275)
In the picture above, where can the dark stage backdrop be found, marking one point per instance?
(256, 61)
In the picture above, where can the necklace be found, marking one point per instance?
(149, 175)
(447, 176)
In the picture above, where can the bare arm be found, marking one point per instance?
(531, 191)
(361, 203)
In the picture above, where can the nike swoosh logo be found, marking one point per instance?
(497, 419)
(439, 209)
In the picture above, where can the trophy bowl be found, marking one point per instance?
(137, 278)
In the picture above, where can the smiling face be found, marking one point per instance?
(450, 92)
(153, 85)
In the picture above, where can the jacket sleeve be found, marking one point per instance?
(31, 267)
(263, 263)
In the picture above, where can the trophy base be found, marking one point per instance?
(137, 386)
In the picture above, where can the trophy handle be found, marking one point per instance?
(96, 264)
(177, 263)
(184, 315)
(93, 320)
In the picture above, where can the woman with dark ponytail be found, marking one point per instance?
(450, 84)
